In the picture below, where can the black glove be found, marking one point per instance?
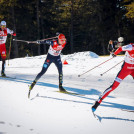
(57, 33)
(113, 55)
(38, 42)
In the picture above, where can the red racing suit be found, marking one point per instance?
(127, 69)
(3, 38)
(55, 49)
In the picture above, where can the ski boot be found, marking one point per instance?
(3, 74)
(31, 87)
(61, 88)
(94, 107)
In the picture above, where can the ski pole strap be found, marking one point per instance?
(95, 67)
(111, 68)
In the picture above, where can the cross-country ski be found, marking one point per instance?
(96, 116)
(8, 77)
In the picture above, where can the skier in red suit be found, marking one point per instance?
(127, 69)
(3, 37)
(53, 56)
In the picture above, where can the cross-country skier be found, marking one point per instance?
(53, 56)
(3, 37)
(127, 69)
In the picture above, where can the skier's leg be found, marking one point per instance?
(58, 64)
(132, 74)
(44, 69)
(105, 94)
(3, 56)
(108, 90)
(3, 68)
(121, 75)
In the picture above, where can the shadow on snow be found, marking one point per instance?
(76, 90)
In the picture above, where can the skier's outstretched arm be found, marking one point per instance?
(45, 42)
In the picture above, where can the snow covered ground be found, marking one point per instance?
(50, 112)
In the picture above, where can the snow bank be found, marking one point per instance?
(81, 56)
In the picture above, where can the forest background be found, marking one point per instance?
(87, 24)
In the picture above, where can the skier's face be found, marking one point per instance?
(3, 27)
(62, 41)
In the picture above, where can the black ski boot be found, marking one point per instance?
(32, 85)
(60, 83)
(61, 88)
(94, 107)
(3, 74)
(3, 69)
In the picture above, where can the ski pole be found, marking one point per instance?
(111, 68)
(34, 41)
(22, 41)
(9, 49)
(95, 67)
(50, 38)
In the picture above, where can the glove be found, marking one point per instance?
(38, 42)
(57, 33)
(14, 34)
(113, 55)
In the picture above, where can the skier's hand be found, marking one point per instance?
(14, 34)
(57, 33)
(113, 55)
(38, 42)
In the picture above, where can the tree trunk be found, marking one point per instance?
(43, 32)
(15, 46)
(38, 26)
(103, 47)
(71, 36)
